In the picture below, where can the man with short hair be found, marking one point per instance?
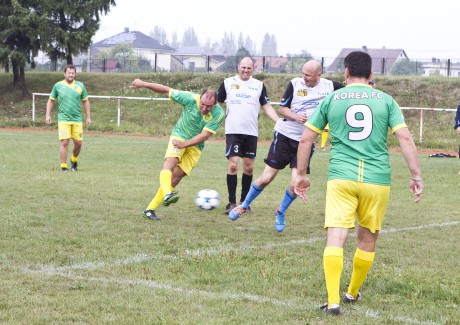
(243, 96)
(201, 117)
(359, 171)
(69, 93)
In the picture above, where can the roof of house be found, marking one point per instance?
(382, 59)
(136, 39)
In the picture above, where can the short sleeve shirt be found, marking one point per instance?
(69, 97)
(359, 117)
(191, 121)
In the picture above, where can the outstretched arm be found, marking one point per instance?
(161, 89)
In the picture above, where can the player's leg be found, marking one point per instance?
(249, 149)
(232, 182)
(341, 206)
(288, 198)
(232, 153)
(77, 137)
(64, 130)
(172, 158)
(256, 189)
(371, 211)
(246, 180)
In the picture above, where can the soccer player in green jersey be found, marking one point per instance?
(359, 171)
(69, 93)
(201, 117)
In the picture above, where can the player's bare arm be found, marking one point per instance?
(290, 115)
(203, 136)
(409, 151)
(270, 111)
(161, 89)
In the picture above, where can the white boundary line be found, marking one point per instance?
(65, 271)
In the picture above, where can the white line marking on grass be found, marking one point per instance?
(64, 271)
(223, 250)
(241, 296)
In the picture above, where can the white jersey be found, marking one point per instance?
(243, 101)
(302, 99)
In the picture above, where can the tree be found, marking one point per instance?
(159, 34)
(269, 46)
(228, 44)
(406, 67)
(296, 61)
(231, 64)
(190, 38)
(20, 40)
(59, 28)
(70, 26)
(249, 45)
(174, 43)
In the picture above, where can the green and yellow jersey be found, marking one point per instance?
(359, 117)
(191, 121)
(69, 97)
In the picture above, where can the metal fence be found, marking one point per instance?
(262, 64)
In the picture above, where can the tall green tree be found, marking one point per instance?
(59, 28)
(20, 40)
(70, 26)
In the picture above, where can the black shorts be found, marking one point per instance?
(241, 145)
(283, 151)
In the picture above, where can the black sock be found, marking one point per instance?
(232, 181)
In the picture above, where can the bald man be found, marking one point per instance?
(301, 98)
(243, 96)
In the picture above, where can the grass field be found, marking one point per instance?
(76, 250)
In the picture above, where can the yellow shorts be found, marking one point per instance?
(69, 130)
(346, 200)
(188, 157)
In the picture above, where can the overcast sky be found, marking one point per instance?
(424, 29)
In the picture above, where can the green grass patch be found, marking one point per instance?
(75, 248)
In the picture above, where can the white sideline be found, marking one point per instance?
(66, 271)
(222, 250)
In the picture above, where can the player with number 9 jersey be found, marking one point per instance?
(359, 151)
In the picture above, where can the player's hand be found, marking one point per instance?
(178, 144)
(88, 121)
(137, 83)
(48, 120)
(416, 188)
(458, 130)
(301, 186)
(302, 118)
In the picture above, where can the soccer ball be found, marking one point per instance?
(207, 199)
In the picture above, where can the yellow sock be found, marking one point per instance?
(156, 201)
(362, 263)
(165, 181)
(324, 136)
(73, 159)
(333, 265)
(63, 165)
